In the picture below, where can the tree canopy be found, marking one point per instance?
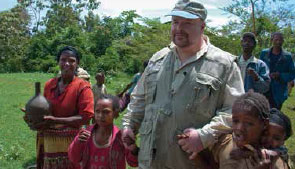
(30, 42)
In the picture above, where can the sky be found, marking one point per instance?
(150, 9)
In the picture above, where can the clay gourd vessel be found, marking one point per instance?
(36, 108)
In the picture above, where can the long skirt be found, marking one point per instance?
(52, 148)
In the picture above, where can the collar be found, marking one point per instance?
(197, 56)
(55, 80)
(251, 59)
(116, 131)
(281, 53)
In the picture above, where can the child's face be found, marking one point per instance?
(247, 126)
(104, 113)
(274, 136)
(100, 79)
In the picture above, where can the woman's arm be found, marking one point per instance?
(74, 121)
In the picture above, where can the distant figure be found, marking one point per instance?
(99, 88)
(101, 144)
(83, 74)
(281, 68)
(255, 72)
(125, 96)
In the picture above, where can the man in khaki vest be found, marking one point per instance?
(184, 97)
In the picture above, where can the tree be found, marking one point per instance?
(261, 17)
(281, 12)
(63, 25)
(14, 28)
(129, 52)
(34, 8)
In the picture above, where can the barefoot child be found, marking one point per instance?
(101, 145)
(250, 114)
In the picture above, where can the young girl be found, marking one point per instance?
(100, 145)
(250, 115)
(279, 130)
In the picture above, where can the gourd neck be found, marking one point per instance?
(37, 88)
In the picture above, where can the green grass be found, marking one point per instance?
(17, 141)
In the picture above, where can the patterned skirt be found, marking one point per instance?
(52, 148)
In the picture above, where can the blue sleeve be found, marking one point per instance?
(286, 77)
(262, 85)
(262, 54)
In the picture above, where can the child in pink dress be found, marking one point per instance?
(100, 145)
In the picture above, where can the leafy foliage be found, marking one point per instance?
(14, 33)
(30, 42)
(269, 16)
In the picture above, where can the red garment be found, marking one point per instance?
(118, 155)
(53, 143)
(77, 98)
(98, 157)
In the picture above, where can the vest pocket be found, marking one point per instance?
(205, 92)
(204, 86)
(151, 85)
(145, 152)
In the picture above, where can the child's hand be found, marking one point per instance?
(127, 133)
(84, 135)
(131, 144)
(263, 159)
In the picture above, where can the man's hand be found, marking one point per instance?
(275, 75)
(190, 142)
(84, 135)
(251, 72)
(127, 134)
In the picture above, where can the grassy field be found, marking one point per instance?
(17, 142)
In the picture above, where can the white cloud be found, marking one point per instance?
(159, 8)
(152, 8)
(137, 4)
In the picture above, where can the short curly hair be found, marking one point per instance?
(251, 100)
